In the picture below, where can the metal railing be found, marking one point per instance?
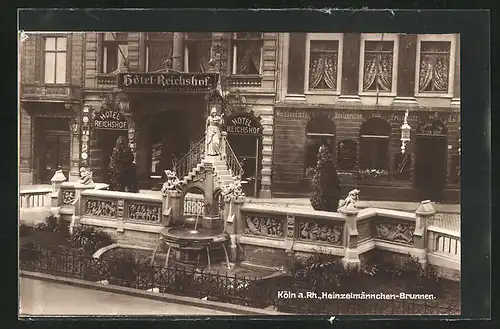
(232, 161)
(32, 199)
(191, 159)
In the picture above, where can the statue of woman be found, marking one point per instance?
(212, 132)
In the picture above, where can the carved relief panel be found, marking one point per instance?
(320, 232)
(263, 225)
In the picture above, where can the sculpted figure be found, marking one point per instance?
(172, 183)
(213, 135)
(85, 177)
(352, 198)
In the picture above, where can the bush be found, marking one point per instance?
(89, 239)
(121, 170)
(420, 279)
(53, 224)
(123, 269)
(29, 251)
(24, 230)
(326, 184)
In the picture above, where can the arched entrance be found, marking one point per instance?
(244, 133)
(430, 164)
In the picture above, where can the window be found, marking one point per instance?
(55, 60)
(377, 70)
(374, 144)
(247, 53)
(198, 51)
(323, 53)
(320, 130)
(159, 49)
(347, 154)
(115, 51)
(434, 66)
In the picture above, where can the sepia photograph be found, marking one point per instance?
(239, 173)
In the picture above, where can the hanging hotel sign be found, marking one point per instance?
(168, 81)
(110, 119)
(242, 124)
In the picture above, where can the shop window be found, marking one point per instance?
(402, 165)
(320, 130)
(159, 48)
(55, 60)
(374, 144)
(434, 72)
(114, 51)
(247, 53)
(347, 154)
(378, 66)
(323, 65)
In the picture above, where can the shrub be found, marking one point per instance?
(53, 224)
(121, 170)
(420, 279)
(24, 230)
(326, 184)
(123, 268)
(29, 251)
(89, 239)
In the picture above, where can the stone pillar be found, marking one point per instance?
(208, 183)
(171, 209)
(296, 66)
(406, 69)
(455, 101)
(234, 223)
(55, 195)
(290, 232)
(79, 206)
(142, 52)
(424, 212)
(178, 51)
(351, 257)
(223, 143)
(350, 68)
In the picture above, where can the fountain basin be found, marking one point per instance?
(202, 247)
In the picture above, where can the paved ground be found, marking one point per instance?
(47, 298)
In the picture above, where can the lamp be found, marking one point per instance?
(73, 126)
(405, 133)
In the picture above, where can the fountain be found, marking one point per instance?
(194, 243)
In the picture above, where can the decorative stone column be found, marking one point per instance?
(172, 210)
(424, 212)
(178, 51)
(455, 101)
(223, 143)
(79, 206)
(351, 257)
(56, 195)
(350, 68)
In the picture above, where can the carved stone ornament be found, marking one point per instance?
(100, 208)
(148, 213)
(172, 184)
(264, 226)
(234, 189)
(402, 233)
(320, 232)
(85, 177)
(68, 197)
(351, 200)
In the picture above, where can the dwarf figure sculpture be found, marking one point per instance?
(351, 199)
(172, 183)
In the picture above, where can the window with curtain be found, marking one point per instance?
(159, 49)
(199, 54)
(247, 53)
(374, 144)
(347, 154)
(323, 64)
(114, 51)
(378, 64)
(320, 130)
(55, 60)
(434, 66)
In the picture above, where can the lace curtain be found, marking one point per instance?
(434, 72)
(377, 73)
(323, 71)
(248, 58)
(159, 53)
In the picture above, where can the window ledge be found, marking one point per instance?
(322, 92)
(380, 94)
(242, 81)
(434, 95)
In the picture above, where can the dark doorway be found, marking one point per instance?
(248, 151)
(52, 147)
(430, 163)
(107, 142)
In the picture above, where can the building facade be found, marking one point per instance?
(285, 94)
(51, 80)
(352, 91)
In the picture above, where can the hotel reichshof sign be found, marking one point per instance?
(168, 81)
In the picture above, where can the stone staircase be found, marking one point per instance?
(222, 173)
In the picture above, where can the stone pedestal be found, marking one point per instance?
(56, 194)
(172, 209)
(233, 222)
(79, 206)
(423, 213)
(351, 257)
